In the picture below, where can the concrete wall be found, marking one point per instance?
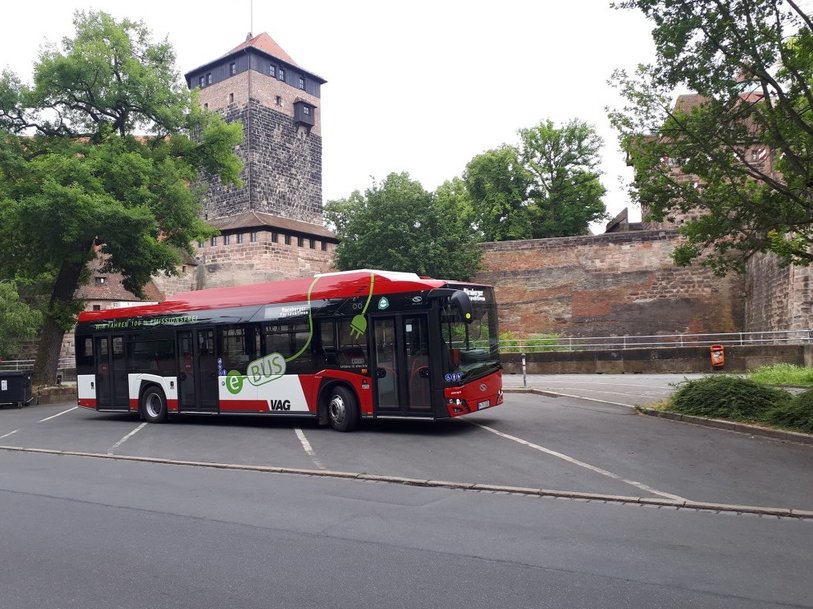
(607, 285)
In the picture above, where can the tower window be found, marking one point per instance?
(201, 81)
(287, 239)
(279, 100)
(231, 98)
(208, 78)
(214, 241)
(282, 73)
(272, 70)
(100, 280)
(306, 110)
(226, 239)
(232, 68)
(239, 237)
(313, 244)
(275, 237)
(301, 82)
(324, 246)
(253, 236)
(300, 241)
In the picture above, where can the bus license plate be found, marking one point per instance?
(483, 404)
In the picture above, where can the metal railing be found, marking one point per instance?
(66, 367)
(536, 343)
(540, 343)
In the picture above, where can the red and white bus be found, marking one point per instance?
(339, 347)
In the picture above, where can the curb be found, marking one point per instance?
(660, 502)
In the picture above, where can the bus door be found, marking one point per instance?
(197, 371)
(112, 391)
(402, 366)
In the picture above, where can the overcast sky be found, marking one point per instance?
(419, 86)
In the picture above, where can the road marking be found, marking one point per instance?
(58, 414)
(125, 438)
(11, 433)
(575, 397)
(308, 448)
(592, 468)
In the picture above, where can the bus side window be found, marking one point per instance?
(293, 341)
(352, 351)
(84, 355)
(237, 347)
(327, 336)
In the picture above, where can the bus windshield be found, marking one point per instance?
(471, 349)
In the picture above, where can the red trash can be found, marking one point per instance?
(717, 356)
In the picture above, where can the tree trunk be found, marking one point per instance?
(53, 330)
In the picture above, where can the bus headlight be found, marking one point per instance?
(457, 406)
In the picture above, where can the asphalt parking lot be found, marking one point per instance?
(533, 441)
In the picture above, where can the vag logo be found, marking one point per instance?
(279, 404)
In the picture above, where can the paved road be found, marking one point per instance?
(628, 389)
(109, 532)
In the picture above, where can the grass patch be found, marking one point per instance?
(783, 374)
(728, 397)
(796, 414)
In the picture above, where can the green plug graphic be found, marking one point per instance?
(358, 325)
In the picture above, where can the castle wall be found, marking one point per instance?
(607, 285)
(777, 298)
(282, 173)
(262, 260)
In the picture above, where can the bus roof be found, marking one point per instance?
(345, 284)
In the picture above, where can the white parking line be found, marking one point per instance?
(125, 438)
(58, 414)
(308, 448)
(592, 468)
(11, 433)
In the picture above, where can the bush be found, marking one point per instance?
(783, 374)
(797, 413)
(728, 397)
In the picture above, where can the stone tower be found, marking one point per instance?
(277, 101)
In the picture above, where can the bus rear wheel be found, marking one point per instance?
(153, 405)
(342, 409)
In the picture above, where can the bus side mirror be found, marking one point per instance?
(461, 301)
(458, 299)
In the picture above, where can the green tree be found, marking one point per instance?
(497, 184)
(18, 321)
(565, 189)
(745, 147)
(548, 186)
(98, 157)
(398, 226)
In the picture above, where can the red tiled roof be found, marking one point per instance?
(266, 44)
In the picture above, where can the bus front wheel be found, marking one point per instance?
(342, 409)
(154, 405)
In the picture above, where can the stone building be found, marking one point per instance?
(272, 227)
